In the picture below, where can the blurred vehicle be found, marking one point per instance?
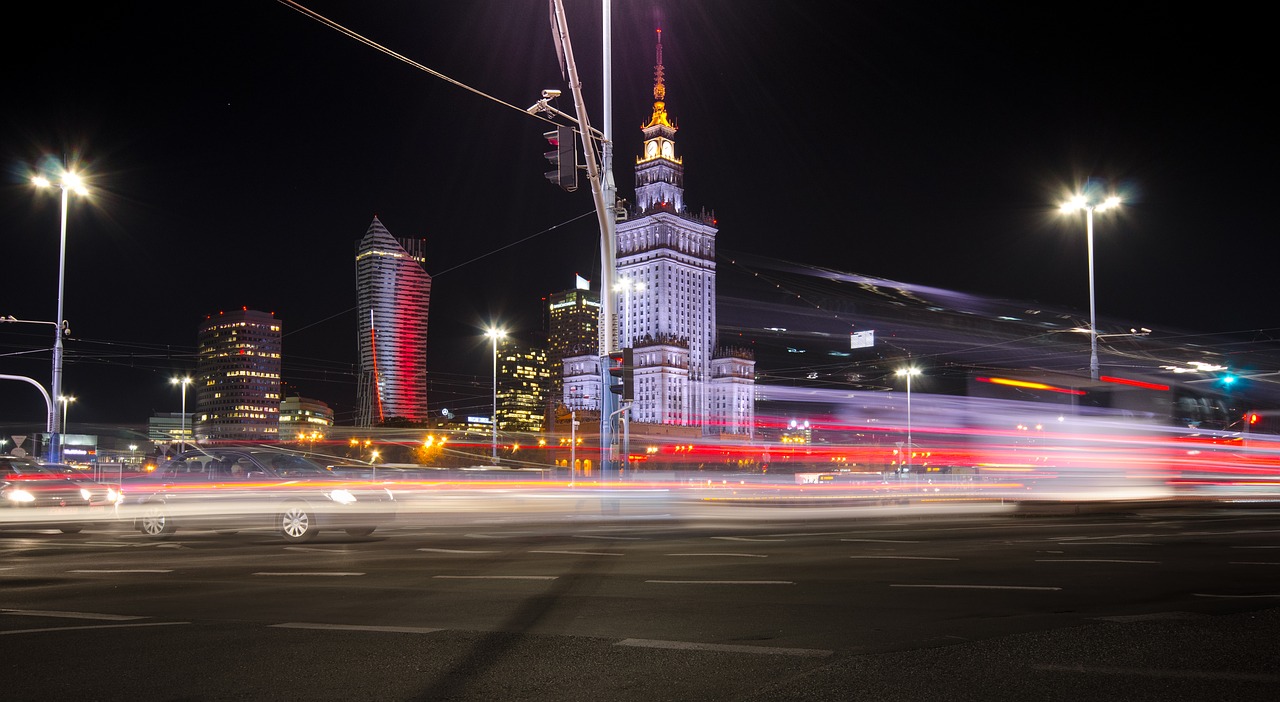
(230, 489)
(34, 496)
(101, 494)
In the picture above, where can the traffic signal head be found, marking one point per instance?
(622, 369)
(563, 160)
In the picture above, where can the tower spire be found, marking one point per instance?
(659, 92)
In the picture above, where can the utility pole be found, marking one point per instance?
(604, 192)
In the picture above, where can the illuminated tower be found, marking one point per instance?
(573, 318)
(666, 296)
(393, 292)
(524, 383)
(238, 377)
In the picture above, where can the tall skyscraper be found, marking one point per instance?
(393, 292)
(238, 377)
(524, 384)
(573, 317)
(666, 296)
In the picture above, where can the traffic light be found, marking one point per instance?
(562, 158)
(622, 368)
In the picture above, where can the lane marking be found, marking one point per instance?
(881, 541)
(83, 628)
(452, 550)
(1150, 672)
(317, 550)
(722, 582)
(69, 615)
(495, 577)
(1105, 543)
(978, 587)
(744, 538)
(580, 553)
(121, 570)
(323, 574)
(355, 627)
(725, 648)
(907, 558)
(727, 555)
(1255, 547)
(1090, 560)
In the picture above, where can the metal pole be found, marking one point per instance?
(182, 430)
(495, 399)
(573, 446)
(1093, 318)
(909, 450)
(55, 442)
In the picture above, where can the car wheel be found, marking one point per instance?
(297, 523)
(155, 521)
(360, 531)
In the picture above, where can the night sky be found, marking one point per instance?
(237, 152)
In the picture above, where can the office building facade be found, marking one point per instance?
(237, 384)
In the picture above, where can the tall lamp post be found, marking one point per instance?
(70, 182)
(182, 431)
(909, 371)
(62, 438)
(495, 334)
(1075, 204)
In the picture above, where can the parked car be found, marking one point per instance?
(230, 489)
(35, 496)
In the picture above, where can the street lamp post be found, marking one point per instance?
(62, 438)
(182, 431)
(909, 371)
(495, 334)
(69, 182)
(1075, 204)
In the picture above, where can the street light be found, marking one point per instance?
(62, 438)
(182, 432)
(495, 334)
(1075, 204)
(69, 182)
(909, 371)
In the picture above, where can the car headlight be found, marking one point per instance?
(19, 496)
(86, 494)
(115, 496)
(342, 497)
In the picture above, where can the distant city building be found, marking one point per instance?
(164, 428)
(238, 377)
(666, 298)
(303, 417)
(573, 318)
(524, 384)
(393, 292)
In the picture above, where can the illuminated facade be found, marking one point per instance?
(573, 319)
(304, 418)
(238, 377)
(393, 292)
(524, 384)
(666, 297)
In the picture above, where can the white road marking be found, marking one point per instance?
(743, 538)
(908, 558)
(1089, 560)
(1106, 543)
(581, 553)
(730, 555)
(452, 550)
(317, 550)
(495, 577)
(69, 615)
(82, 628)
(322, 574)
(977, 587)
(355, 627)
(881, 541)
(121, 570)
(725, 648)
(722, 582)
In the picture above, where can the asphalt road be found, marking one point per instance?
(635, 604)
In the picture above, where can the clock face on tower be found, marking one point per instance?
(651, 149)
(667, 149)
